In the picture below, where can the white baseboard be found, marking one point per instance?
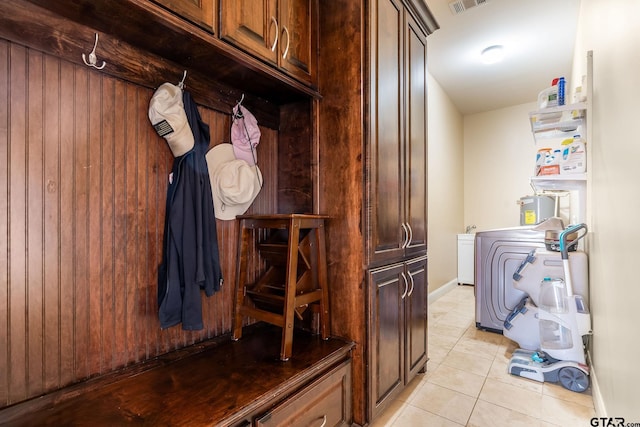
(598, 401)
(442, 290)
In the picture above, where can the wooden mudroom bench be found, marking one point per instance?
(217, 383)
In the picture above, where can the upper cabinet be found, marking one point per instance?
(415, 193)
(251, 25)
(280, 32)
(398, 136)
(200, 12)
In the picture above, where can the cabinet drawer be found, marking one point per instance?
(325, 402)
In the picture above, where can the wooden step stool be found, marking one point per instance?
(296, 274)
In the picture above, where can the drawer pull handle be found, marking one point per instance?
(406, 235)
(324, 421)
(275, 42)
(412, 284)
(286, 49)
(406, 286)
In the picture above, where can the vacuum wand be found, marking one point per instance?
(564, 252)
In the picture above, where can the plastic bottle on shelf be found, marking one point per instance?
(549, 97)
(541, 157)
(561, 90)
(551, 164)
(580, 94)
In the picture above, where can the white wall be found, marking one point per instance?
(445, 177)
(499, 159)
(610, 29)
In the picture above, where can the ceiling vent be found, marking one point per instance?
(459, 6)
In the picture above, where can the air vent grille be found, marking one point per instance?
(460, 6)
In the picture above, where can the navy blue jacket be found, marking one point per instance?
(190, 260)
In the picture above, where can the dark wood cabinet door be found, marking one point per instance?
(200, 12)
(298, 42)
(416, 317)
(416, 138)
(387, 286)
(386, 151)
(251, 25)
(281, 32)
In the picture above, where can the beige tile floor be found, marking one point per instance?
(467, 383)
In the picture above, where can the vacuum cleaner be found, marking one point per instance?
(549, 325)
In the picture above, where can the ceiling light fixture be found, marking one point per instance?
(492, 54)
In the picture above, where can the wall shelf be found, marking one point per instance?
(560, 182)
(553, 125)
(558, 122)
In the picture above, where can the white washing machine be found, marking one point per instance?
(498, 254)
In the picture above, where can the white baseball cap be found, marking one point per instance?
(167, 115)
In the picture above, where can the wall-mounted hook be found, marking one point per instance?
(241, 99)
(93, 60)
(184, 77)
(237, 111)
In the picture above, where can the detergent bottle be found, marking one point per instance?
(549, 97)
(574, 156)
(541, 158)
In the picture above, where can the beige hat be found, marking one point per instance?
(234, 183)
(167, 115)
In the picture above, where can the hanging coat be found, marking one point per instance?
(190, 250)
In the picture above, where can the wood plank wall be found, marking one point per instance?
(83, 181)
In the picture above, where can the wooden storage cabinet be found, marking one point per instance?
(200, 12)
(397, 329)
(397, 202)
(326, 402)
(398, 106)
(415, 191)
(283, 33)
(373, 173)
(416, 305)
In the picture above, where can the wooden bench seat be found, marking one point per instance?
(222, 383)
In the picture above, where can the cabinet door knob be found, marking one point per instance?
(286, 49)
(275, 42)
